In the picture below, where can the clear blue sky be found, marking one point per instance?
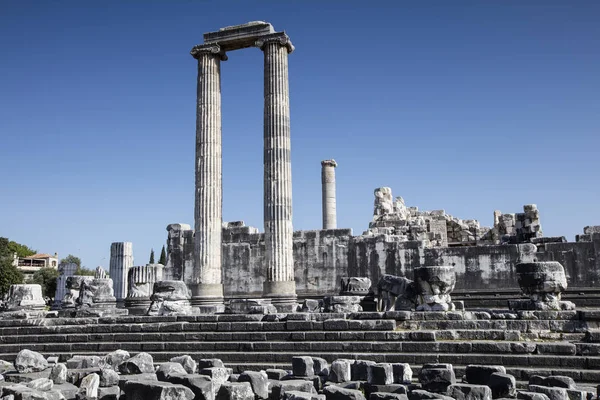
(469, 106)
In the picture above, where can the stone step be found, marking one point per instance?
(184, 342)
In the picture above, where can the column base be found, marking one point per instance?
(282, 295)
(137, 305)
(208, 297)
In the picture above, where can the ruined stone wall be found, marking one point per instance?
(323, 257)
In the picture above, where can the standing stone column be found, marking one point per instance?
(121, 259)
(207, 287)
(64, 271)
(328, 190)
(280, 285)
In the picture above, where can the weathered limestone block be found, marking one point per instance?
(419, 394)
(167, 369)
(276, 373)
(180, 253)
(73, 287)
(543, 282)
(200, 385)
(115, 358)
(24, 297)
(204, 363)
(334, 392)
(59, 373)
(156, 390)
(88, 389)
(235, 391)
(170, 298)
(342, 304)
(341, 370)
(259, 381)
(355, 286)
(18, 392)
(465, 391)
(108, 377)
(141, 281)
(434, 285)
(387, 396)
(384, 202)
(437, 377)
(219, 376)
(395, 293)
(186, 362)
(302, 366)
(361, 370)
(30, 361)
(250, 306)
(381, 374)
(502, 385)
(43, 384)
(296, 395)
(320, 366)
(138, 364)
(480, 374)
(553, 393)
(97, 292)
(402, 373)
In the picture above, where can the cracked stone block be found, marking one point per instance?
(466, 391)
(382, 374)
(402, 373)
(437, 377)
(58, 374)
(235, 391)
(200, 385)
(480, 374)
(302, 366)
(139, 364)
(258, 381)
(334, 392)
(361, 370)
(340, 370)
(30, 361)
(187, 363)
(502, 385)
(156, 390)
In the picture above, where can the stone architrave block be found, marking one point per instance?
(258, 381)
(340, 370)
(333, 392)
(466, 391)
(480, 374)
(302, 366)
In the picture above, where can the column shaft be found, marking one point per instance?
(328, 194)
(208, 205)
(121, 259)
(278, 172)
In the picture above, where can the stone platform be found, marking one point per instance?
(527, 343)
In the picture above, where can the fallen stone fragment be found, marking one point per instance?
(201, 385)
(88, 390)
(419, 394)
(258, 381)
(169, 368)
(43, 384)
(553, 393)
(381, 374)
(276, 374)
(467, 391)
(279, 388)
(235, 391)
(22, 392)
(393, 388)
(334, 392)
(219, 376)
(502, 385)
(138, 364)
(387, 396)
(75, 376)
(437, 377)
(340, 370)
(108, 378)
(526, 395)
(209, 363)
(402, 373)
(302, 366)
(320, 366)
(187, 363)
(156, 390)
(58, 374)
(560, 381)
(115, 358)
(480, 374)
(30, 361)
(68, 390)
(296, 395)
(109, 393)
(361, 370)
(83, 362)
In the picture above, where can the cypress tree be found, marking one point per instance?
(163, 256)
(152, 256)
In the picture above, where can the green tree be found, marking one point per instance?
(163, 256)
(21, 250)
(81, 270)
(152, 256)
(46, 277)
(9, 275)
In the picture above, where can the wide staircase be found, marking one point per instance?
(526, 343)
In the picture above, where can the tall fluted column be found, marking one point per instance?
(328, 196)
(207, 288)
(280, 285)
(121, 259)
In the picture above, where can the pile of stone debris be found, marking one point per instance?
(117, 375)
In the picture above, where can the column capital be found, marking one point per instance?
(212, 48)
(329, 163)
(280, 37)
